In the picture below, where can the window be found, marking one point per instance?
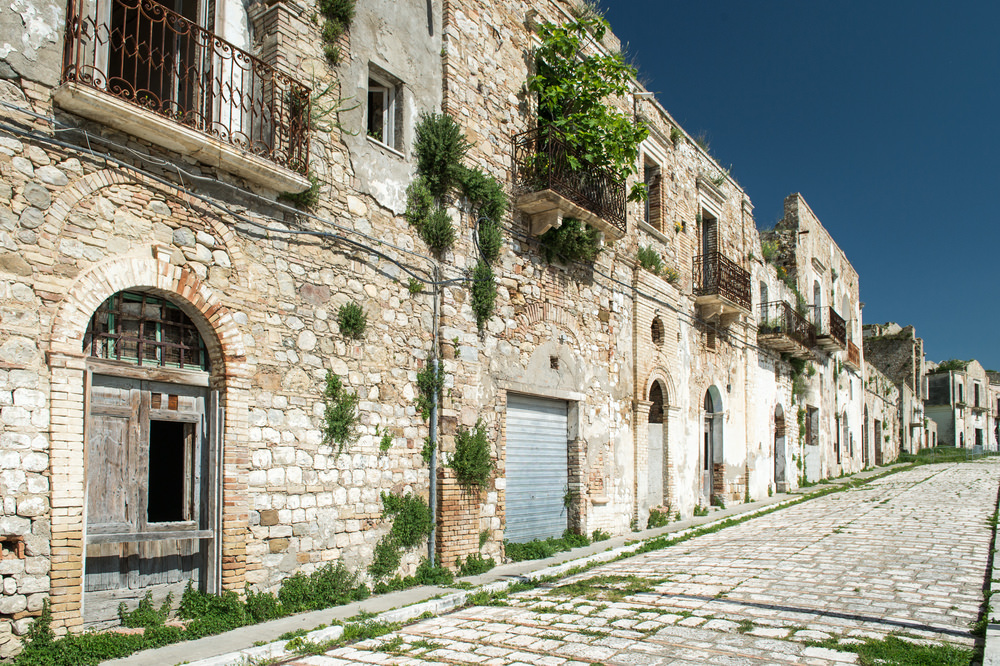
(145, 330)
(656, 331)
(975, 394)
(383, 123)
(763, 295)
(652, 213)
(961, 393)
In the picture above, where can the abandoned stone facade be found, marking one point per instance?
(826, 291)
(883, 407)
(127, 235)
(963, 404)
(899, 354)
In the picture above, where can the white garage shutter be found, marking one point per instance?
(536, 471)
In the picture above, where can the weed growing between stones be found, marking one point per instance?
(412, 523)
(430, 382)
(474, 565)
(340, 415)
(471, 461)
(657, 518)
(894, 651)
(352, 320)
(338, 15)
(599, 535)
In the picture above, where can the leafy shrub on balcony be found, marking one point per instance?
(573, 241)
(573, 88)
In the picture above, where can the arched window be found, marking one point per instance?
(145, 330)
(656, 331)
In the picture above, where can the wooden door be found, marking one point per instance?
(147, 492)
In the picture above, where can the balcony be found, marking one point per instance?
(721, 287)
(853, 359)
(151, 72)
(831, 330)
(549, 188)
(785, 330)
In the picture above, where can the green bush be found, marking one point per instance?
(484, 293)
(338, 14)
(657, 519)
(440, 146)
(352, 320)
(573, 241)
(540, 549)
(419, 203)
(341, 413)
(145, 614)
(305, 199)
(412, 523)
(472, 463)
(474, 565)
(490, 240)
(437, 231)
(650, 259)
(430, 382)
(599, 535)
(485, 193)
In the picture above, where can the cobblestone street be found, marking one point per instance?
(905, 554)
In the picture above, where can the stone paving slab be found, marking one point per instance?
(905, 555)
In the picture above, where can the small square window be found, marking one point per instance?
(383, 111)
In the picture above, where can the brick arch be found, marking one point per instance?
(660, 374)
(67, 368)
(92, 183)
(180, 284)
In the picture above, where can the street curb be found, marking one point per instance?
(452, 601)
(991, 642)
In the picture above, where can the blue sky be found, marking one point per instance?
(884, 115)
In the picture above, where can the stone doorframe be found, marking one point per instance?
(67, 367)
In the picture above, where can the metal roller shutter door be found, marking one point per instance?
(537, 476)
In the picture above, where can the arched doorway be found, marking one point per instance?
(712, 461)
(780, 484)
(866, 456)
(657, 481)
(151, 475)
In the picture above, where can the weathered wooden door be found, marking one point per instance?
(149, 519)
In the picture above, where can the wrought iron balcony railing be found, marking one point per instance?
(156, 59)
(543, 159)
(780, 320)
(717, 275)
(831, 329)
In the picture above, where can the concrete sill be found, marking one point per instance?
(121, 115)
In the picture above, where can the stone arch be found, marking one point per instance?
(712, 445)
(68, 368)
(89, 185)
(661, 375)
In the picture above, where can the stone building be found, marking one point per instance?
(960, 399)
(826, 292)
(880, 439)
(161, 308)
(899, 354)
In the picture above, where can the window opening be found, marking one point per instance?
(145, 330)
(382, 111)
(171, 463)
(656, 409)
(651, 178)
(656, 331)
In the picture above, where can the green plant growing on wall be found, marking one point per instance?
(340, 416)
(484, 293)
(573, 241)
(471, 461)
(385, 443)
(412, 523)
(430, 382)
(769, 250)
(414, 286)
(675, 134)
(352, 320)
(573, 88)
(650, 259)
(439, 147)
(484, 193)
(338, 15)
